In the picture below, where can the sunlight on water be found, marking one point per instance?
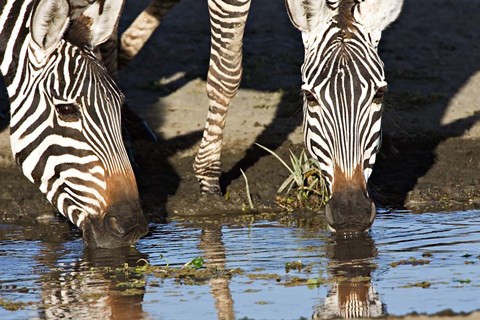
(452, 239)
(423, 263)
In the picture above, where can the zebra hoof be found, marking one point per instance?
(211, 188)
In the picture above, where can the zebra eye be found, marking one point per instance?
(67, 110)
(311, 101)
(378, 97)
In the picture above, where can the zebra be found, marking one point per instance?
(343, 88)
(65, 126)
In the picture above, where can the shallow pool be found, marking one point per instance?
(422, 263)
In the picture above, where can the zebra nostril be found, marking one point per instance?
(113, 226)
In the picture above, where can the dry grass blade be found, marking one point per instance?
(276, 156)
(247, 189)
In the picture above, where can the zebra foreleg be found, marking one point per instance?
(134, 38)
(227, 25)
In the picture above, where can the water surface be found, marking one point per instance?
(423, 263)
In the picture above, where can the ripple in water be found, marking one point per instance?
(383, 272)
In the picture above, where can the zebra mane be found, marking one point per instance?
(345, 17)
(78, 32)
(318, 12)
(92, 21)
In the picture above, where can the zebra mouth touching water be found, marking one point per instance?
(120, 226)
(65, 106)
(343, 85)
(65, 126)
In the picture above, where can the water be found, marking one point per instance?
(381, 273)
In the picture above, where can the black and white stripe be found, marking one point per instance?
(343, 82)
(65, 107)
(342, 74)
(227, 23)
(341, 77)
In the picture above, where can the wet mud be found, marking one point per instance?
(429, 157)
(406, 176)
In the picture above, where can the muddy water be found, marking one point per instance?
(423, 263)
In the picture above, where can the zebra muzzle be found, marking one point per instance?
(351, 211)
(121, 226)
(113, 226)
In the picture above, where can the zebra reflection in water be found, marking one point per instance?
(352, 294)
(70, 291)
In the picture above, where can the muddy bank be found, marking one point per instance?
(406, 175)
(428, 161)
(429, 176)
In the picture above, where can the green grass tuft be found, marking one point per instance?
(304, 184)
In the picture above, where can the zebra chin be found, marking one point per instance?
(122, 225)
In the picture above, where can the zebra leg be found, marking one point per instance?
(227, 24)
(134, 38)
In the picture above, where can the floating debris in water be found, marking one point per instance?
(421, 284)
(427, 255)
(294, 265)
(411, 261)
(11, 305)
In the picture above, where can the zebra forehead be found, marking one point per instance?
(79, 75)
(349, 61)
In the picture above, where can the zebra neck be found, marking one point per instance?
(14, 19)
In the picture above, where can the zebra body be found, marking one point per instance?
(343, 86)
(65, 127)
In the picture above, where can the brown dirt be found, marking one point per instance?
(428, 161)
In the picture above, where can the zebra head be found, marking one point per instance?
(66, 121)
(343, 85)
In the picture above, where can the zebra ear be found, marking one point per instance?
(306, 15)
(48, 23)
(376, 15)
(103, 19)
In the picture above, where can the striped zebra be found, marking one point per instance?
(65, 126)
(343, 87)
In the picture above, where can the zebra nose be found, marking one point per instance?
(115, 227)
(125, 222)
(121, 226)
(350, 211)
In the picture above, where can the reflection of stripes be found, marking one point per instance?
(65, 117)
(350, 300)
